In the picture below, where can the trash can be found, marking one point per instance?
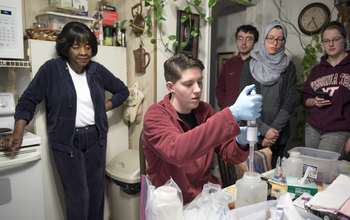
(123, 173)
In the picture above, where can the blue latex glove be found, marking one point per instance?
(242, 137)
(247, 107)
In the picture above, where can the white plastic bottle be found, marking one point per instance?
(250, 190)
(166, 204)
(294, 164)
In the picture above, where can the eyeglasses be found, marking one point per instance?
(334, 40)
(248, 39)
(272, 40)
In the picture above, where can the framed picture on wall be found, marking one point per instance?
(184, 29)
(222, 57)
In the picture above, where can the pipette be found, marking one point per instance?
(283, 180)
(277, 170)
(284, 169)
(252, 136)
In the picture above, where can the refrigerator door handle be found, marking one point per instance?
(22, 158)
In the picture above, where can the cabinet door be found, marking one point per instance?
(114, 59)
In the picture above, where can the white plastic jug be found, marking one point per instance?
(294, 164)
(167, 204)
(250, 190)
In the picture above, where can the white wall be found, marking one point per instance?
(169, 27)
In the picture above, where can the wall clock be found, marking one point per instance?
(313, 18)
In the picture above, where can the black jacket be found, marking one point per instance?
(54, 83)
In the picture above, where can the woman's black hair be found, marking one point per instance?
(71, 32)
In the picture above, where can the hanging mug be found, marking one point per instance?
(140, 60)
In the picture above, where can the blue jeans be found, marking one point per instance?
(83, 175)
(330, 141)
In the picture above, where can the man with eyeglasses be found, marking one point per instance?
(227, 87)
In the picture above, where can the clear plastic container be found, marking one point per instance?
(323, 162)
(250, 190)
(294, 164)
(55, 20)
(343, 167)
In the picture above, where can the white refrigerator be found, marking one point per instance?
(114, 59)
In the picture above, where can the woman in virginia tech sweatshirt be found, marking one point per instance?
(328, 126)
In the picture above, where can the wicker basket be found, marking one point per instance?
(42, 34)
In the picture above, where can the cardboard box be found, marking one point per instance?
(294, 187)
(81, 4)
(67, 3)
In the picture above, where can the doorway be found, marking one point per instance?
(227, 17)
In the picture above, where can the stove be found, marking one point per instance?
(7, 110)
(7, 120)
(29, 139)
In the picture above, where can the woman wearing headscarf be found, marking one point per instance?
(274, 76)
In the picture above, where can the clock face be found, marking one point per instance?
(313, 18)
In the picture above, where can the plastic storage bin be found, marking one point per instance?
(123, 190)
(240, 213)
(55, 20)
(324, 162)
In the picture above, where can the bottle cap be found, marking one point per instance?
(295, 154)
(253, 91)
(166, 193)
(251, 176)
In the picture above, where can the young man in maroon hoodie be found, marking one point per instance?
(181, 133)
(227, 86)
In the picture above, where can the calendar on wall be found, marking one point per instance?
(11, 37)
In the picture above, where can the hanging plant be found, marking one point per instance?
(170, 43)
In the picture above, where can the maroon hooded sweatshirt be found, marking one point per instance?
(336, 81)
(172, 149)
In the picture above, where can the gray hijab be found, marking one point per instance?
(266, 68)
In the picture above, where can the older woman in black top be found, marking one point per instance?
(74, 88)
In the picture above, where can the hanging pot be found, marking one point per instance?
(138, 20)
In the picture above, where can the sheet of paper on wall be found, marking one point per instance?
(338, 192)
